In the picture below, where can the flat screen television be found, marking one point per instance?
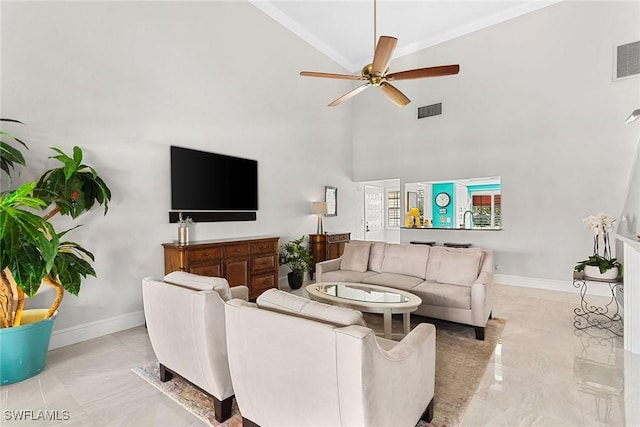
(212, 182)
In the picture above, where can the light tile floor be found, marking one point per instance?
(541, 374)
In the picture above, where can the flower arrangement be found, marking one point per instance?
(601, 225)
(184, 222)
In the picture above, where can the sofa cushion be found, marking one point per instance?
(391, 280)
(439, 253)
(409, 260)
(376, 256)
(201, 283)
(443, 295)
(355, 257)
(347, 276)
(287, 303)
(459, 268)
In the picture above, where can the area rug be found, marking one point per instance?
(461, 361)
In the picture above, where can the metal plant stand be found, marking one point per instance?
(607, 317)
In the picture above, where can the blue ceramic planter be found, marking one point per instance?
(23, 349)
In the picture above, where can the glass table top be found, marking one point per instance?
(361, 293)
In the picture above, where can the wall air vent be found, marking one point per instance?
(430, 110)
(627, 60)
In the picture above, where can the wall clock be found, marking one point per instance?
(443, 199)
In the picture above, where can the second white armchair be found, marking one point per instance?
(296, 362)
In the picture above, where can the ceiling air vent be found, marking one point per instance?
(627, 60)
(430, 110)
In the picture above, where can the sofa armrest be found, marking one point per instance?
(368, 374)
(241, 292)
(410, 343)
(482, 298)
(484, 278)
(326, 266)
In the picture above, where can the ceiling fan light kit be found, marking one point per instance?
(377, 72)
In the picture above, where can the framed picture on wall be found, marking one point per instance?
(412, 200)
(331, 197)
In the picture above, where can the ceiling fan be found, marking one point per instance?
(377, 73)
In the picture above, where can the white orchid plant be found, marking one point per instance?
(601, 224)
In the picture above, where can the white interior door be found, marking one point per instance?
(373, 213)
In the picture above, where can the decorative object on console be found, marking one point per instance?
(183, 229)
(298, 258)
(319, 209)
(600, 266)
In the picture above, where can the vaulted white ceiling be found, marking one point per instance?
(344, 30)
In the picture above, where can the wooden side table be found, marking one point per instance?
(327, 246)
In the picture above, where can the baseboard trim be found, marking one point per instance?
(594, 288)
(87, 331)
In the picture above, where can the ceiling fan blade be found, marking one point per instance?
(394, 94)
(383, 52)
(330, 75)
(418, 73)
(349, 94)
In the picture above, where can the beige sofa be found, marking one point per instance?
(455, 284)
(296, 362)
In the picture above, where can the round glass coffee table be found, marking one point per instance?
(368, 299)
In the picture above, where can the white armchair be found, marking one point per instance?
(186, 325)
(293, 363)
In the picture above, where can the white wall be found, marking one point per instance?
(534, 103)
(125, 80)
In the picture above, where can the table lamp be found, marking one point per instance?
(414, 214)
(320, 209)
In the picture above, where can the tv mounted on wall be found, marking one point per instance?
(212, 182)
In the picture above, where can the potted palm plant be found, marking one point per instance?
(33, 253)
(298, 258)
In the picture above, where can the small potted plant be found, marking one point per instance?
(600, 266)
(297, 257)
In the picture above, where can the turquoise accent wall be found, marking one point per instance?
(483, 187)
(443, 217)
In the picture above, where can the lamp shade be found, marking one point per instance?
(319, 208)
(414, 212)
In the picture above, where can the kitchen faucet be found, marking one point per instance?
(464, 219)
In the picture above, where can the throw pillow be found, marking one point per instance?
(201, 283)
(459, 268)
(355, 257)
(287, 303)
(408, 260)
